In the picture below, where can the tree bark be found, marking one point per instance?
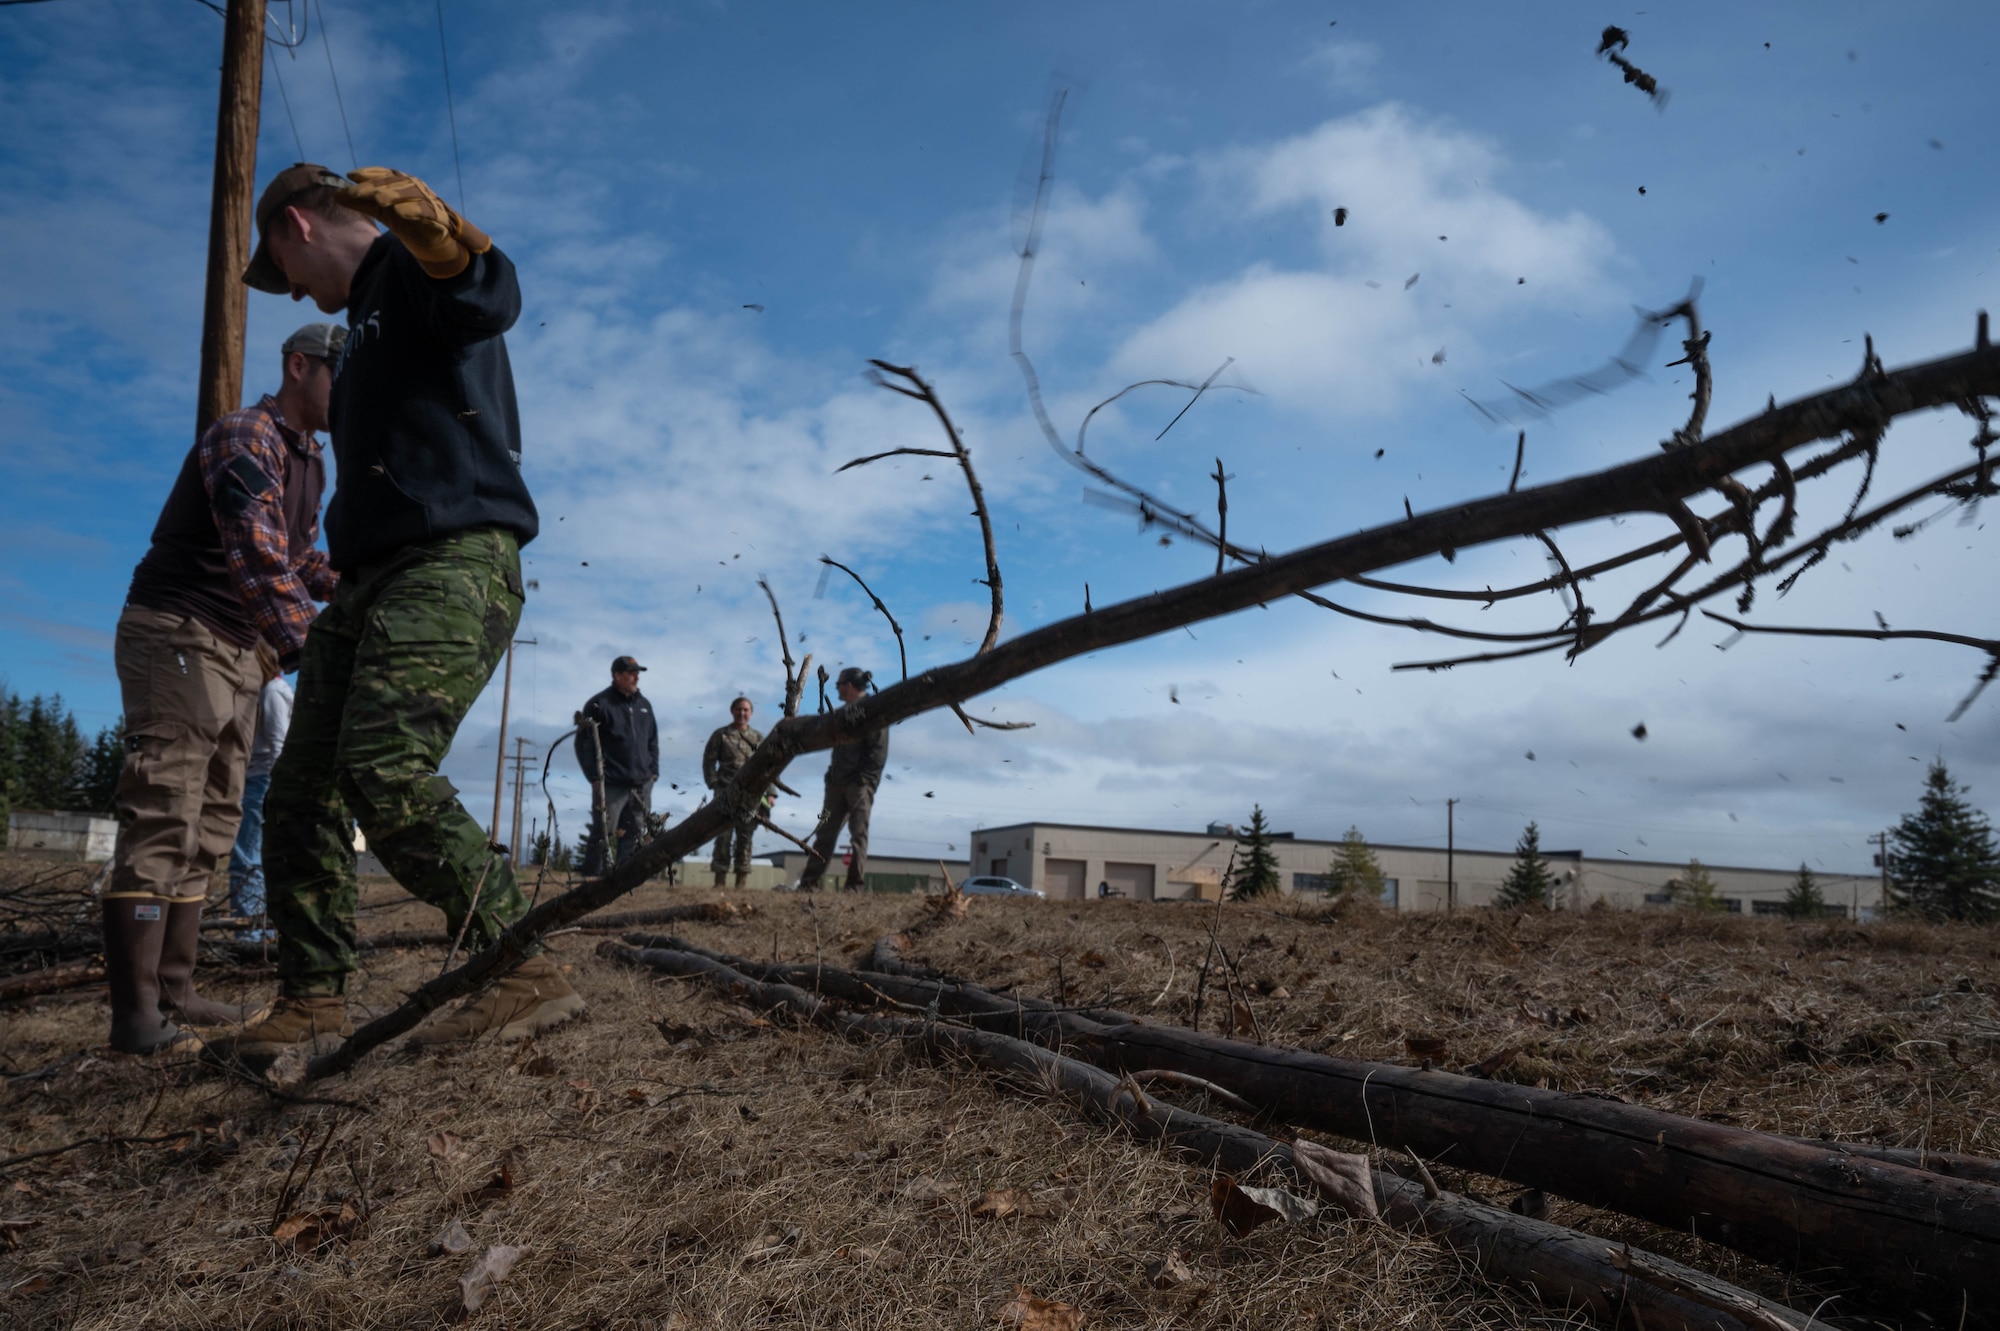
(1567, 1269)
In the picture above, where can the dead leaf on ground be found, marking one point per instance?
(495, 1186)
(1242, 1209)
(11, 1231)
(1094, 959)
(1493, 1062)
(1554, 1017)
(445, 1145)
(925, 1190)
(450, 1241)
(1030, 1313)
(1000, 1203)
(1341, 1178)
(887, 1258)
(768, 1245)
(310, 1231)
(1242, 1019)
(1169, 1272)
(486, 1274)
(1425, 1046)
(40, 1283)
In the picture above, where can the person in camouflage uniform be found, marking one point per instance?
(728, 749)
(852, 776)
(425, 529)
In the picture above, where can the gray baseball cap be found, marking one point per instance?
(321, 340)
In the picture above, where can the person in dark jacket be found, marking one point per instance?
(851, 779)
(618, 747)
(425, 528)
(231, 566)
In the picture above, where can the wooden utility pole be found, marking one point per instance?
(1881, 840)
(520, 771)
(1450, 859)
(230, 208)
(500, 760)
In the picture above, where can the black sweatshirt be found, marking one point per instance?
(631, 739)
(426, 434)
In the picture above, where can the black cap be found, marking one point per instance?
(263, 272)
(855, 676)
(623, 664)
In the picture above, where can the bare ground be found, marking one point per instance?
(676, 1161)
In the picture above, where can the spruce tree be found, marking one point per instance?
(1529, 882)
(97, 780)
(11, 716)
(48, 755)
(1256, 873)
(1695, 889)
(1354, 870)
(1945, 865)
(1803, 901)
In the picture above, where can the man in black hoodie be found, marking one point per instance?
(618, 747)
(425, 528)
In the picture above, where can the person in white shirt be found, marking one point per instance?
(246, 857)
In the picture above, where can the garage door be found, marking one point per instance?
(1134, 882)
(1063, 879)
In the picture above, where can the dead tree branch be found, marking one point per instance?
(1640, 486)
(902, 656)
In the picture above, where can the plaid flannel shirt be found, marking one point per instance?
(277, 583)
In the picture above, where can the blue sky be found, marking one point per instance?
(859, 172)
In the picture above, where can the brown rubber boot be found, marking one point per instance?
(743, 880)
(314, 1025)
(133, 929)
(719, 876)
(530, 1000)
(177, 957)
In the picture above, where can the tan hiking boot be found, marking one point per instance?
(530, 1000)
(311, 1025)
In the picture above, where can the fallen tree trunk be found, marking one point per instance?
(72, 975)
(1846, 1221)
(1976, 1168)
(1567, 1269)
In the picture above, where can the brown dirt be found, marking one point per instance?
(675, 1161)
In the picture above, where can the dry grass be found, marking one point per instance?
(663, 1153)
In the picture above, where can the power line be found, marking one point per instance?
(352, 156)
(284, 98)
(451, 112)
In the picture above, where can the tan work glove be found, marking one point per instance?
(442, 241)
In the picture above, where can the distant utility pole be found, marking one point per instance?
(520, 770)
(1450, 858)
(1881, 840)
(500, 761)
(226, 298)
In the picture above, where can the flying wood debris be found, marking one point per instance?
(1611, 45)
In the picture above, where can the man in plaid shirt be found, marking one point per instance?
(231, 561)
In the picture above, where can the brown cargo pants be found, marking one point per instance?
(190, 715)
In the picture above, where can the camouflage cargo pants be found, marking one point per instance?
(390, 669)
(733, 846)
(850, 805)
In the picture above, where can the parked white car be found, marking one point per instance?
(990, 886)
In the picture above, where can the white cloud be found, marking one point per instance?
(1345, 66)
(1422, 200)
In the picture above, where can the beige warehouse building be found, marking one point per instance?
(1076, 862)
